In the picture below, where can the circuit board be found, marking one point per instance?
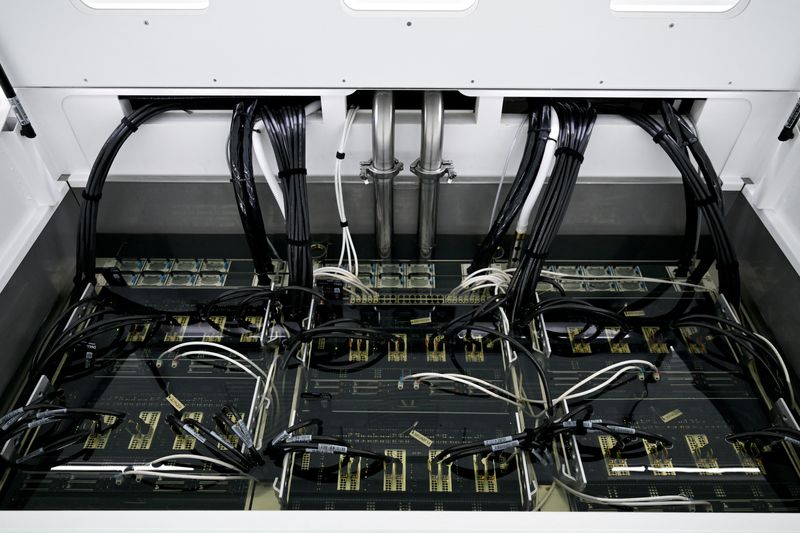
(357, 389)
(701, 395)
(132, 379)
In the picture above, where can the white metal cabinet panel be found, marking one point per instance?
(321, 43)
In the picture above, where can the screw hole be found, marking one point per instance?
(472, 81)
(601, 82)
(671, 24)
(730, 83)
(85, 79)
(214, 80)
(344, 80)
(146, 22)
(408, 23)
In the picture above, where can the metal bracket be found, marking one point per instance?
(445, 171)
(368, 171)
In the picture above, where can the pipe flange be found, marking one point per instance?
(368, 171)
(445, 171)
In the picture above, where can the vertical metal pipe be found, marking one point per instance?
(382, 169)
(430, 158)
(429, 170)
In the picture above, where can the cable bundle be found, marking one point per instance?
(87, 225)
(538, 131)
(348, 248)
(240, 150)
(286, 127)
(576, 122)
(703, 185)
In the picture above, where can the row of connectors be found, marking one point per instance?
(161, 272)
(653, 337)
(359, 349)
(398, 275)
(661, 463)
(599, 285)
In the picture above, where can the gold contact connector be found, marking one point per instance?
(219, 326)
(485, 473)
(359, 350)
(144, 430)
(615, 465)
(440, 477)
(576, 341)
(398, 348)
(654, 339)
(98, 441)
(435, 348)
(138, 333)
(702, 453)
(691, 338)
(473, 348)
(616, 346)
(394, 474)
(658, 455)
(186, 442)
(349, 477)
(749, 455)
(254, 335)
(177, 331)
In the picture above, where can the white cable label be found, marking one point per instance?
(499, 440)
(505, 445)
(328, 448)
(299, 438)
(194, 434)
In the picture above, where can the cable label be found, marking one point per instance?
(500, 440)
(505, 445)
(328, 448)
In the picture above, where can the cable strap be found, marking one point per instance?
(344, 224)
(710, 200)
(569, 151)
(339, 155)
(128, 124)
(289, 172)
(534, 255)
(660, 135)
(292, 242)
(91, 197)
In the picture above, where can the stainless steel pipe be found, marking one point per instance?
(382, 169)
(430, 168)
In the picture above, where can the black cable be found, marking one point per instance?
(576, 122)
(286, 127)
(536, 141)
(240, 149)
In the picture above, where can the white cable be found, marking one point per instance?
(218, 356)
(196, 477)
(192, 457)
(599, 387)
(782, 364)
(524, 218)
(459, 379)
(505, 170)
(214, 345)
(345, 276)
(644, 501)
(263, 162)
(629, 363)
(348, 248)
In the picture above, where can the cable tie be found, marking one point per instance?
(339, 155)
(569, 151)
(91, 197)
(128, 124)
(289, 172)
(344, 224)
(293, 242)
(709, 200)
(660, 135)
(534, 255)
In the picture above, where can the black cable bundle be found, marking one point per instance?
(87, 224)
(538, 131)
(286, 127)
(705, 188)
(240, 149)
(577, 120)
